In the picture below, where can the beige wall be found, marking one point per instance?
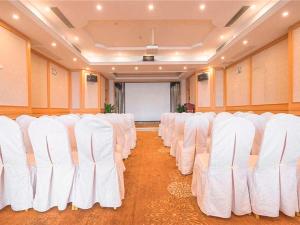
(204, 89)
(296, 65)
(39, 81)
(192, 87)
(91, 92)
(14, 69)
(270, 75)
(238, 84)
(219, 88)
(102, 95)
(75, 86)
(59, 86)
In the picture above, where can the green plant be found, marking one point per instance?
(180, 109)
(109, 108)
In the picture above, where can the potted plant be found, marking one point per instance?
(109, 108)
(180, 109)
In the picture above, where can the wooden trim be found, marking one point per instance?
(82, 90)
(250, 80)
(70, 90)
(294, 26)
(48, 85)
(13, 30)
(212, 89)
(225, 89)
(29, 73)
(49, 59)
(99, 91)
(269, 45)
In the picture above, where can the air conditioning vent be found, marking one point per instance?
(237, 16)
(62, 17)
(78, 49)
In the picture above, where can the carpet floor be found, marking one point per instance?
(156, 194)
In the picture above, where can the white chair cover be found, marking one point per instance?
(267, 115)
(24, 122)
(15, 176)
(70, 121)
(54, 166)
(178, 132)
(210, 116)
(288, 166)
(195, 137)
(259, 123)
(98, 179)
(169, 129)
(244, 137)
(212, 177)
(263, 178)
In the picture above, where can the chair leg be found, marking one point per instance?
(74, 208)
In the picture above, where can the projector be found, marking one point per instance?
(148, 58)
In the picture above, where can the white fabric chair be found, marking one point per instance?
(210, 116)
(259, 123)
(15, 175)
(180, 119)
(70, 121)
(55, 169)
(244, 137)
(267, 115)
(100, 176)
(212, 175)
(194, 140)
(24, 122)
(130, 117)
(288, 166)
(263, 177)
(169, 129)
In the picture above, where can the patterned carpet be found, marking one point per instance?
(156, 194)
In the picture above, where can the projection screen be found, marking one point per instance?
(147, 101)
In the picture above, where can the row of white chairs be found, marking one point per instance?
(247, 164)
(55, 160)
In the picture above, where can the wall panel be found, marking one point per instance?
(204, 89)
(219, 88)
(296, 65)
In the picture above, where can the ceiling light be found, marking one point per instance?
(47, 9)
(99, 7)
(285, 14)
(185, 68)
(160, 68)
(222, 57)
(245, 42)
(136, 68)
(75, 59)
(113, 68)
(76, 38)
(176, 53)
(15, 16)
(87, 68)
(222, 37)
(151, 7)
(253, 7)
(202, 7)
(53, 44)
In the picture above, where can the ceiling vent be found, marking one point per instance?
(78, 49)
(62, 17)
(237, 16)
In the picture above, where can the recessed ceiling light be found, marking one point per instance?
(15, 16)
(253, 7)
(75, 59)
(47, 9)
(113, 68)
(151, 7)
(136, 68)
(176, 53)
(99, 7)
(76, 38)
(87, 68)
(53, 44)
(202, 7)
(222, 37)
(222, 57)
(285, 14)
(185, 68)
(160, 68)
(245, 42)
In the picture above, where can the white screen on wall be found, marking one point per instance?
(147, 101)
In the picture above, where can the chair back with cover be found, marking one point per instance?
(24, 122)
(55, 169)
(97, 179)
(15, 175)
